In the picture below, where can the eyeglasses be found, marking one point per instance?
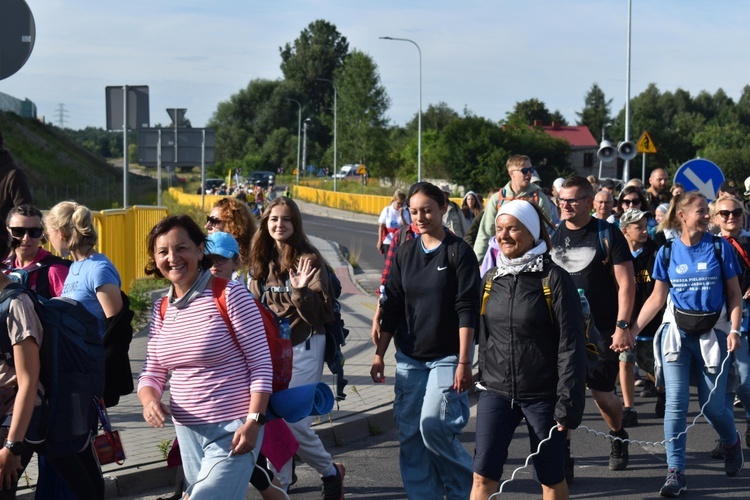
(33, 232)
(524, 170)
(628, 202)
(219, 260)
(213, 220)
(737, 212)
(571, 201)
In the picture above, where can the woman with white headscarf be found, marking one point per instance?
(532, 354)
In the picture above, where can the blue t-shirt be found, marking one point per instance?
(694, 273)
(84, 277)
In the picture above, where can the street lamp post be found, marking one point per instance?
(419, 116)
(299, 128)
(335, 154)
(304, 149)
(626, 166)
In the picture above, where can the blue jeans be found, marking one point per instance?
(742, 363)
(677, 381)
(208, 471)
(430, 416)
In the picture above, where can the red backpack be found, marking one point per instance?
(281, 349)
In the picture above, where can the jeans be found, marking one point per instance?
(677, 381)
(208, 472)
(742, 364)
(430, 416)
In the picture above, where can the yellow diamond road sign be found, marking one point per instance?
(645, 144)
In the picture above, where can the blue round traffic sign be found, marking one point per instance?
(700, 175)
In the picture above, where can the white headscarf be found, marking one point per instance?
(525, 213)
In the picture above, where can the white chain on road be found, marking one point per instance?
(613, 438)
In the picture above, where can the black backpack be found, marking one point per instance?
(41, 270)
(71, 371)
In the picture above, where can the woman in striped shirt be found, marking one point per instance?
(220, 382)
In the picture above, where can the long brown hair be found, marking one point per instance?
(240, 223)
(264, 251)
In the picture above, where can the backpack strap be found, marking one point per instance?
(219, 290)
(548, 296)
(10, 292)
(605, 237)
(486, 294)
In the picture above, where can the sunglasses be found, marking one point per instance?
(33, 232)
(628, 202)
(737, 212)
(213, 220)
(524, 170)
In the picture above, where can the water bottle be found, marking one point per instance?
(285, 329)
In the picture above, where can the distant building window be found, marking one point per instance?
(588, 160)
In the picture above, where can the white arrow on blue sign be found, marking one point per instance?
(700, 175)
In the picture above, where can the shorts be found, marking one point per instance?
(644, 354)
(604, 376)
(627, 356)
(497, 420)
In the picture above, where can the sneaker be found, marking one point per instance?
(737, 402)
(675, 483)
(718, 451)
(649, 391)
(661, 404)
(629, 417)
(733, 458)
(619, 457)
(333, 486)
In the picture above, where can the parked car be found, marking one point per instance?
(265, 177)
(213, 184)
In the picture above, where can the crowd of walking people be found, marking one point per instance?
(557, 291)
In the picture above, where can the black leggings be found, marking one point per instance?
(260, 481)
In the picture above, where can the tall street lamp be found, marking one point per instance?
(335, 154)
(304, 149)
(626, 167)
(299, 129)
(419, 118)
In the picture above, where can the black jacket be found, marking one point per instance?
(524, 353)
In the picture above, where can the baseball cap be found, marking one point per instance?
(633, 215)
(220, 243)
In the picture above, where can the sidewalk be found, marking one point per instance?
(367, 410)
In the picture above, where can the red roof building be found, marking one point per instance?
(583, 146)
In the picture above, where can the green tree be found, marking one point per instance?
(362, 103)
(528, 111)
(596, 111)
(317, 53)
(436, 116)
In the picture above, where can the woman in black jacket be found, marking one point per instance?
(532, 354)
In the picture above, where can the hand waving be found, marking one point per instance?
(300, 277)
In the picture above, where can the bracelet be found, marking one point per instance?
(464, 362)
(736, 331)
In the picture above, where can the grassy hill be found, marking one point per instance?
(59, 169)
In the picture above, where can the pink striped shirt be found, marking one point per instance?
(211, 378)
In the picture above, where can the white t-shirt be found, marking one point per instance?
(392, 219)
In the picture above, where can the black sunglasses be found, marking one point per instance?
(33, 232)
(210, 219)
(737, 212)
(631, 202)
(524, 170)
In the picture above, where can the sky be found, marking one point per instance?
(479, 55)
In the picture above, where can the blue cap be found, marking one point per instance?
(223, 244)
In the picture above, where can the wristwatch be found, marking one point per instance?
(622, 324)
(258, 417)
(15, 447)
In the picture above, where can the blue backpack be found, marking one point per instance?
(72, 372)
